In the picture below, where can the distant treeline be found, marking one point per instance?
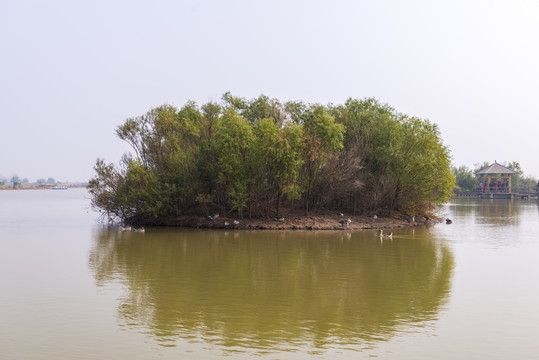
(17, 181)
(263, 158)
(468, 181)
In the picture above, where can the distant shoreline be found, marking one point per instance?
(40, 187)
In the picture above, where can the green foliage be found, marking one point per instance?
(276, 163)
(520, 182)
(421, 167)
(260, 155)
(464, 178)
(234, 141)
(405, 164)
(323, 140)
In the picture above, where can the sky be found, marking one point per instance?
(72, 71)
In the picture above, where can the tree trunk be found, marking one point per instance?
(394, 200)
(278, 203)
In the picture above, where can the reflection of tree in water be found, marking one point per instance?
(268, 290)
(499, 212)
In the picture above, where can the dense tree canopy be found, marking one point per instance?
(259, 157)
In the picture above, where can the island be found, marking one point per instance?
(275, 164)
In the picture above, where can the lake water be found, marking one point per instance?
(73, 289)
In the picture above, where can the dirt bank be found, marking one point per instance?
(315, 222)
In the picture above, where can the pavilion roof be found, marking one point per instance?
(495, 169)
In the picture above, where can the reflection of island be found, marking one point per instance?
(272, 291)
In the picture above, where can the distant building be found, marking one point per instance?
(495, 178)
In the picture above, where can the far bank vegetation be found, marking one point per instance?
(262, 158)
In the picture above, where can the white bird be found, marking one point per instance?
(236, 222)
(127, 228)
(227, 223)
(278, 218)
(390, 235)
(345, 223)
(140, 229)
(213, 217)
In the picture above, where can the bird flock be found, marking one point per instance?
(130, 228)
(343, 223)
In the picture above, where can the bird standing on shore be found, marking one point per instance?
(213, 217)
(345, 223)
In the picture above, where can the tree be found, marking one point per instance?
(423, 173)
(277, 159)
(405, 165)
(261, 155)
(107, 190)
(519, 182)
(464, 178)
(234, 141)
(259, 108)
(323, 139)
(517, 177)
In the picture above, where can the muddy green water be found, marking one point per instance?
(73, 289)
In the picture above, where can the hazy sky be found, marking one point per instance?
(72, 71)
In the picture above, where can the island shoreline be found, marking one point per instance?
(315, 222)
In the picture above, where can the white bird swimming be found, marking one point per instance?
(140, 229)
(390, 235)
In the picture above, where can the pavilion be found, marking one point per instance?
(495, 179)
